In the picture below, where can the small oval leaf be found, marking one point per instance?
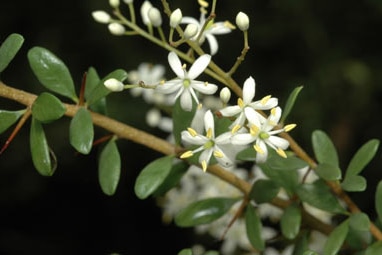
(204, 211)
(254, 228)
(8, 118)
(290, 103)
(9, 49)
(173, 178)
(263, 191)
(52, 72)
(324, 149)
(359, 221)
(186, 251)
(40, 151)
(354, 183)
(181, 119)
(291, 221)
(378, 200)
(362, 157)
(81, 131)
(109, 168)
(152, 176)
(336, 239)
(374, 249)
(328, 172)
(47, 108)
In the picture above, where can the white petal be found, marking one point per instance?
(175, 64)
(186, 100)
(271, 103)
(249, 90)
(274, 118)
(219, 28)
(197, 140)
(224, 138)
(230, 111)
(205, 155)
(243, 139)
(278, 142)
(189, 20)
(213, 43)
(252, 116)
(225, 161)
(209, 122)
(169, 86)
(199, 66)
(205, 88)
(262, 157)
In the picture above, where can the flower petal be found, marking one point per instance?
(209, 123)
(205, 88)
(205, 155)
(242, 139)
(278, 142)
(261, 157)
(224, 138)
(230, 111)
(189, 20)
(186, 100)
(271, 103)
(249, 90)
(175, 64)
(198, 66)
(197, 140)
(169, 86)
(253, 117)
(222, 158)
(213, 43)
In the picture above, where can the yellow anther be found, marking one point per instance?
(258, 149)
(229, 25)
(187, 154)
(272, 123)
(203, 3)
(162, 82)
(209, 133)
(200, 106)
(204, 165)
(240, 102)
(218, 154)
(289, 127)
(265, 99)
(184, 66)
(235, 128)
(192, 132)
(281, 152)
(273, 111)
(206, 83)
(254, 130)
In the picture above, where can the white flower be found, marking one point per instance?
(225, 95)
(190, 31)
(249, 89)
(212, 29)
(116, 28)
(114, 85)
(242, 21)
(184, 84)
(209, 144)
(263, 135)
(114, 3)
(175, 18)
(101, 17)
(145, 7)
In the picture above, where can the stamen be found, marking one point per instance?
(162, 82)
(200, 106)
(187, 154)
(258, 149)
(204, 165)
(206, 83)
(265, 99)
(203, 3)
(254, 130)
(289, 127)
(235, 128)
(192, 132)
(218, 154)
(281, 152)
(273, 111)
(209, 133)
(184, 66)
(229, 25)
(240, 102)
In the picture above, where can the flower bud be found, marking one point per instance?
(175, 18)
(128, 1)
(242, 21)
(190, 31)
(101, 17)
(114, 85)
(146, 6)
(225, 95)
(155, 17)
(153, 117)
(116, 29)
(114, 3)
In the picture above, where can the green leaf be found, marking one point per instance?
(41, 154)
(362, 157)
(52, 72)
(9, 49)
(100, 91)
(286, 179)
(328, 172)
(378, 200)
(81, 131)
(254, 228)
(290, 103)
(187, 251)
(374, 249)
(248, 154)
(204, 211)
(354, 183)
(8, 118)
(109, 168)
(47, 108)
(181, 120)
(291, 221)
(301, 244)
(290, 163)
(176, 173)
(359, 221)
(310, 253)
(152, 176)
(318, 194)
(336, 239)
(92, 81)
(324, 148)
(263, 191)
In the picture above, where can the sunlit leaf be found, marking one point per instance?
(290, 103)
(176, 173)
(328, 172)
(359, 221)
(362, 157)
(336, 239)
(374, 249)
(283, 164)
(92, 81)
(254, 228)
(109, 168)
(354, 183)
(318, 194)
(263, 191)
(8, 118)
(181, 119)
(81, 131)
(41, 154)
(290, 221)
(47, 108)
(9, 49)
(286, 179)
(52, 72)
(187, 251)
(378, 200)
(324, 149)
(152, 176)
(204, 211)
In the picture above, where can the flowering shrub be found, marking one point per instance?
(230, 168)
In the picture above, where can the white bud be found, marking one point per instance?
(146, 6)
(114, 3)
(114, 85)
(155, 17)
(190, 31)
(175, 18)
(153, 117)
(242, 21)
(101, 17)
(116, 29)
(128, 1)
(225, 95)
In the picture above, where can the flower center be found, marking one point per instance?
(209, 144)
(264, 135)
(186, 83)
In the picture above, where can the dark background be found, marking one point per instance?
(333, 48)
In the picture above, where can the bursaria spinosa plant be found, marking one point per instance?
(230, 167)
